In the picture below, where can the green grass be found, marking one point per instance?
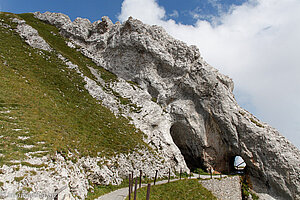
(154, 99)
(201, 171)
(256, 123)
(44, 100)
(33, 165)
(28, 189)
(178, 190)
(18, 179)
(247, 187)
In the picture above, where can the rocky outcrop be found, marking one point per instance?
(194, 113)
(30, 35)
(43, 176)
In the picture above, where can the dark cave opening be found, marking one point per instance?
(184, 139)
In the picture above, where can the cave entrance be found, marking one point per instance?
(237, 165)
(184, 138)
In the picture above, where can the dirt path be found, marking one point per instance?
(122, 193)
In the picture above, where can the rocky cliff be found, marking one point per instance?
(184, 106)
(197, 111)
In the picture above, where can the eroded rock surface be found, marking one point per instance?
(31, 36)
(193, 112)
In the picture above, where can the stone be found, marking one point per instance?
(31, 35)
(57, 19)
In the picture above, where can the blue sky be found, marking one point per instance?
(91, 9)
(180, 11)
(255, 42)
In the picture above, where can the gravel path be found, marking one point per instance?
(122, 193)
(225, 189)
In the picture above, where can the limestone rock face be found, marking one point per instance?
(31, 35)
(193, 112)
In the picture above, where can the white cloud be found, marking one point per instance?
(257, 44)
(199, 14)
(174, 14)
(147, 10)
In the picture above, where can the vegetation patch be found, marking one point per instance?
(18, 179)
(28, 189)
(134, 84)
(242, 112)
(246, 187)
(154, 99)
(201, 171)
(256, 123)
(127, 102)
(33, 165)
(32, 173)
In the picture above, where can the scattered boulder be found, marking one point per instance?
(31, 35)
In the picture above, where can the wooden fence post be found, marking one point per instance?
(210, 173)
(140, 184)
(129, 185)
(155, 176)
(148, 191)
(169, 175)
(180, 174)
(135, 188)
(56, 196)
(132, 181)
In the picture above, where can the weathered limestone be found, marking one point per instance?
(195, 113)
(31, 35)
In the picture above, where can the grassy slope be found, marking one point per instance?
(178, 190)
(44, 100)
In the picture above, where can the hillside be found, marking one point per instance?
(46, 109)
(83, 104)
(44, 99)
